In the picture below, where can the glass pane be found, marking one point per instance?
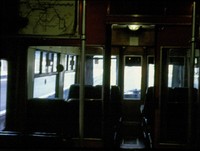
(44, 62)
(49, 62)
(44, 87)
(97, 70)
(74, 63)
(176, 72)
(170, 69)
(151, 71)
(113, 74)
(66, 62)
(70, 63)
(132, 78)
(69, 79)
(55, 58)
(37, 62)
(3, 92)
(196, 74)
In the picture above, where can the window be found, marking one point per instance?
(94, 70)
(3, 91)
(45, 74)
(132, 77)
(45, 62)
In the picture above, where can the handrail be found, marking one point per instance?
(82, 73)
(191, 73)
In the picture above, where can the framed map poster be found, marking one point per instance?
(49, 17)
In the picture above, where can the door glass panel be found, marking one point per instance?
(132, 77)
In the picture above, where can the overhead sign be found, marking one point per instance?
(49, 17)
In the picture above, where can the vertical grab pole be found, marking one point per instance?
(82, 74)
(191, 75)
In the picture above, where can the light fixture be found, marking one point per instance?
(134, 27)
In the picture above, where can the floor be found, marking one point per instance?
(132, 144)
(2, 122)
(132, 137)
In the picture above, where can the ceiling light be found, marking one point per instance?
(134, 27)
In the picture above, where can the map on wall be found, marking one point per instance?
(48, 17)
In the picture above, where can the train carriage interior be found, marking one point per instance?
(99, 74)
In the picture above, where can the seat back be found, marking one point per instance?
(115, 103)
(91, 92)
(47, 115)
(149, 105)
(93, 116)
(177, 113)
